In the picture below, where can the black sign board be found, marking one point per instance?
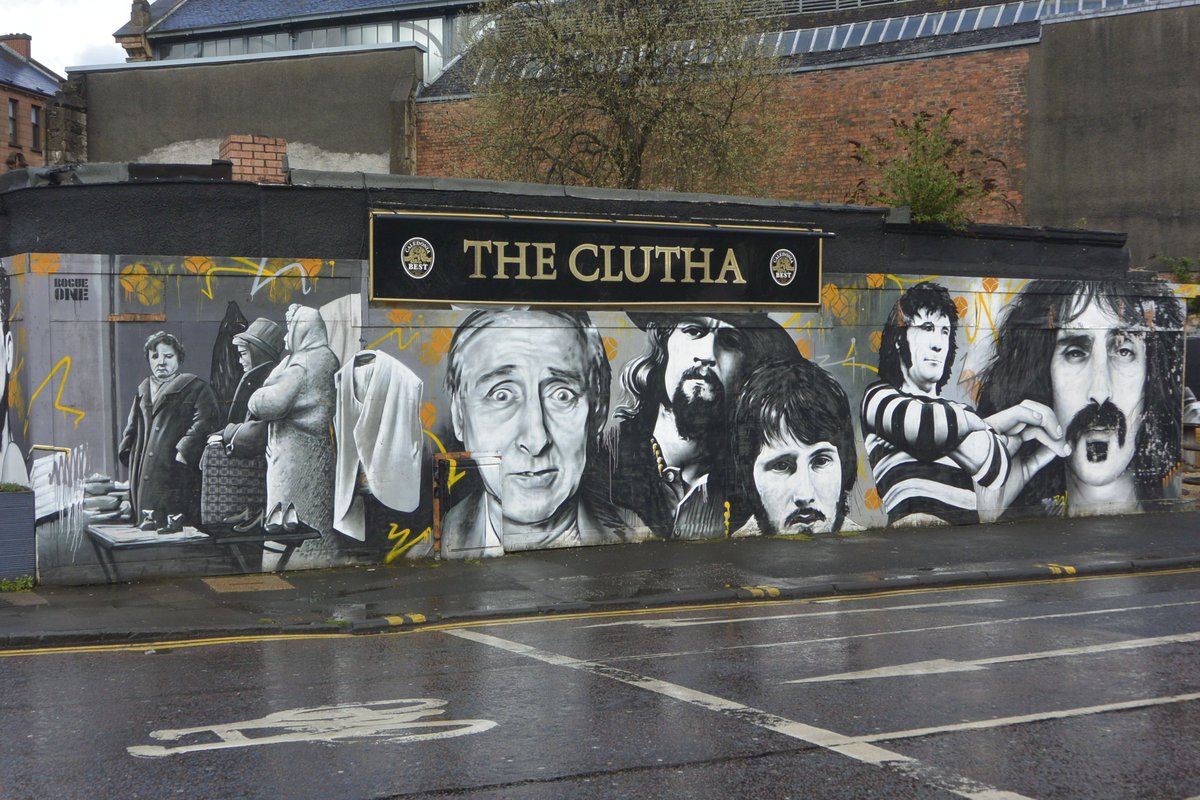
(423, 257)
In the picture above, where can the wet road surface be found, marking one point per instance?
(1085, 688)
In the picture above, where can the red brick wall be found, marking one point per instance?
(986, 88)
(256, 159)
(31, 150)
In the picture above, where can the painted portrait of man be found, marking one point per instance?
(12, 460)
(532, 387)
(928, 454)
(670, 449)
(1106, 356)
(794, 449)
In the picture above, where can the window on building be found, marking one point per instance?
(35, 120)
(12, 122)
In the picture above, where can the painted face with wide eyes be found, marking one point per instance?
(799, 485)
(523, 395)
(928, 345)
(1098, 374)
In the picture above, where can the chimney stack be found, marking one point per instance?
(256, 159)
(139, 15)
(18, 42)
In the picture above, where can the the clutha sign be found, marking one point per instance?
(419, 257)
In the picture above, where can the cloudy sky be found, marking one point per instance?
(68, 33)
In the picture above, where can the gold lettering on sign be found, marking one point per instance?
(503, 262)
(573, 264)
(545, 270)
(590, 262)
(629, 273)
(479, 248)
(690, 264)
(730, 265)
(668, 264)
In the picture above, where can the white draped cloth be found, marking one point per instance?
(377, 423)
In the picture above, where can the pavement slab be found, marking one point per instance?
(649, 575)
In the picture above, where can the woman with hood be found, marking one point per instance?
(297, 401)
(259, 349)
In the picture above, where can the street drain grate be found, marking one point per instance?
(248, 583)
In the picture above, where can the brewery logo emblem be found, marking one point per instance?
(783, 267)
(417, 256)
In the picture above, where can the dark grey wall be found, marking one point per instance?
(237, 219)
(339, 103)
(1114, 110)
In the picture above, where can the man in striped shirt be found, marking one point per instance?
(929, 455)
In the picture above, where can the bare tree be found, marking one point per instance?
(675, 94)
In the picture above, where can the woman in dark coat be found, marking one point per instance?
(164, 438)
(259, 348)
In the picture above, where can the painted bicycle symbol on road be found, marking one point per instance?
(382, 720)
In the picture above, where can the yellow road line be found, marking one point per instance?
(550, 617)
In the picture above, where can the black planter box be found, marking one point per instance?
(18, 553)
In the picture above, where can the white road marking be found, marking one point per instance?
(930, 629)
(944, 665)
(830, 740)
(684, 622)
(1002, 722)
(388, 720)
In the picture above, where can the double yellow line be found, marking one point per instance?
(404, 623)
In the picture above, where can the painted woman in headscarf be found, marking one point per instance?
(297, 401)
(259, 349)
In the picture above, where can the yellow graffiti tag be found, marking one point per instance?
(455, 476)
(794, 322)
(441, 447)
(398, 335)
(402, 319)
(64, 365)
(263, 275)
(405, 541)
(848, 361)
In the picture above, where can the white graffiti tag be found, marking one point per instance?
(386, 720)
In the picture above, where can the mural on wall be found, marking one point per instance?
(793, 449)
(1102, 365)
(12, 460)
(901, 401)
(172, 414)
(532, 387)
(929, 456)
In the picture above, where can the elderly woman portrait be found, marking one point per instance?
(259, 349)
(169, 421)
(297, 401)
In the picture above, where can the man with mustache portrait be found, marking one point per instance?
(670, 450)
(1107, 357)
(794, 449)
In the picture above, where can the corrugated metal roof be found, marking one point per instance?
(457, 82)
(27, 75)
(177, 16)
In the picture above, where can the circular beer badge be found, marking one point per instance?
(417, 257)
(783, 267)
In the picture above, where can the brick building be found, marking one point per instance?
(1089, 104)
(26, 90)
